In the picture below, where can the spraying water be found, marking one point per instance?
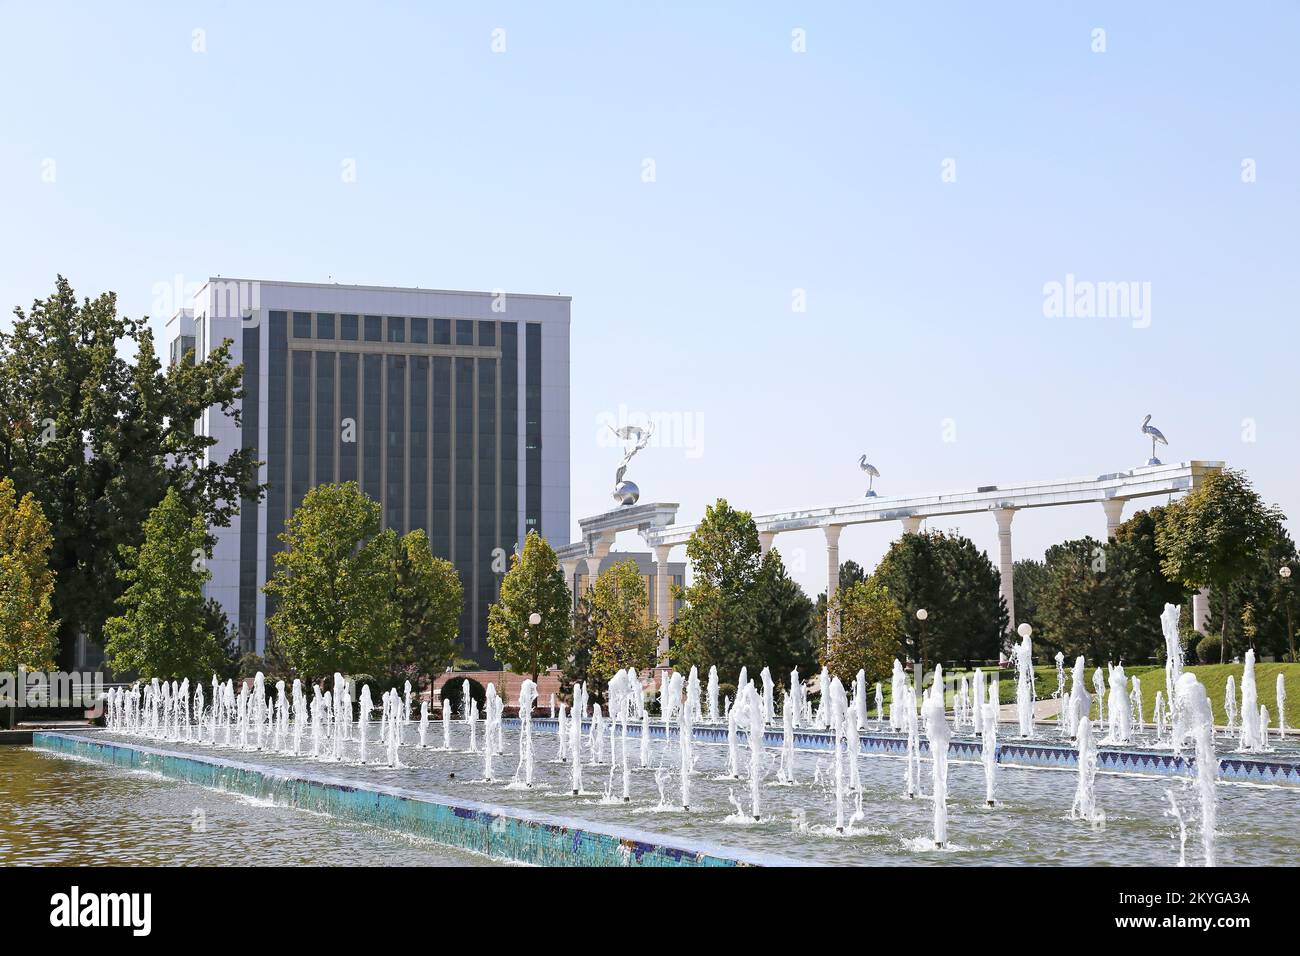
(1120, 710)
(1250, 736)
(1085, 794)
(1194, 704)
(989, 752)
(1025, 685)
(527, 698)
(939, 734)
(1230, 704)
(1281, 706)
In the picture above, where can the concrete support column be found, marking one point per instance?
(832, 575)
(1003, 517)
(1114, 508)
(912, 524)
(599, 548)
(1201, 610)
(570, 569)
(765, 539)
(663, 598)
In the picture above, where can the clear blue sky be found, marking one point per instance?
(775, 170)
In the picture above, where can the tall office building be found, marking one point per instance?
(451, 409)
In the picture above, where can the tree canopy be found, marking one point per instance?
(98, 439)
(166, 627)
(27, 630)
(959, 588)
(429, 597)
(1216, 534)
(534, 585)
(625, 637)
(332, 588)
(868, 635)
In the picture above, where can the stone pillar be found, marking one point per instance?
(570, 569)
(832, 575)
(765, 539)
(912, 524)
(1114, 508)
(1003, 517)
(599, 547)
(1201, 610)
(663, 597)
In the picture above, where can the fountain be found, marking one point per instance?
(1250, 737)
(757, 722)
(1194, 704)
(989, 751)
(1281, 706)
(912, 769)
(978, 703)
(1230, 705)
(713, 696)
(835, 708)
(1119, 730)
(424, 722)
(938, 734)
(786, 774)
(1080, 701)
(1099, 692)
(527, 698)
(575, 735)
(562, 736)
(897, 681)
(363, 720)
(1085, 795)
(880, 705)
(1135, 701)
(1025, 682)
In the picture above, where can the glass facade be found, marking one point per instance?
(428, 427)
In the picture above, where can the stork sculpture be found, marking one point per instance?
(1156, 436)
(872, 474)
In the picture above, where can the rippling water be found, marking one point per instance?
(60, 811)
(1257, 825)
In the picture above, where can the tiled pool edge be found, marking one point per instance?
(1013, 753)
(505, 833)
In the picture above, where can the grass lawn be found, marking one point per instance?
(1215, 679)
(1213, 676)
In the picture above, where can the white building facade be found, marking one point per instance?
(450, 409)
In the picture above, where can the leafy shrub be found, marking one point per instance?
(453, 689)
(1207, 651)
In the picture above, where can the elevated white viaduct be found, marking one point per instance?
(656, 522)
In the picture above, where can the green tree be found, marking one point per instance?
(1216, 534)
(533, 585)
(1270, 596)
(868, 635)
(785, 621)
(1099, 601)
(98, 439)
(851, 573)
(27, 631)
(1029, 577)
(957, 585)
(577, 667)
(429, 598)
(716, 625)
(165, 626)
(625, 637)
(333, 585)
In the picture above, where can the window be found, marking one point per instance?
(324, 325)
(396, 329)
(348, 328)
(374, 328)
(420, 331)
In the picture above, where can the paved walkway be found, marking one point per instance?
(1043, 709)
